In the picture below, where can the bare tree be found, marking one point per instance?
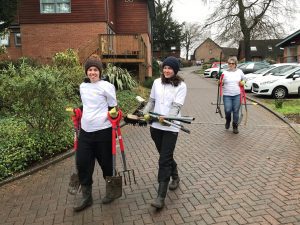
(192, 34)
(250, 19)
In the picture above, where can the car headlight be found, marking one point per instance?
(267, 82)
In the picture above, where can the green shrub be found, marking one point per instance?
(156, 71)
(20, 148)
(148, 82)
(121, 78)
(278, 103)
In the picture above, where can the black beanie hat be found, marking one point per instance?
(93, 62)
(172, 62)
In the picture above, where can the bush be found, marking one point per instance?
(278, 103)
(156, 70)
(121, 78)
(20, 147)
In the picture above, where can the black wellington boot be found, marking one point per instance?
(235, 128)
(159, 202)
(175, 180)
(86, 200)
(227, 124)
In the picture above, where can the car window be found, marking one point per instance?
(258, 66)
(264, 70)
(249, 66)
(279, 69)
(284, 71)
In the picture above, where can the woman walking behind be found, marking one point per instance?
(95, 139)
(166, 98)
(230, 81)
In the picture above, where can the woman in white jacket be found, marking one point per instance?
(166, 98)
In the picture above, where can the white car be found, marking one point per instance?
(275, 68)
(278, 85)
(213, 72)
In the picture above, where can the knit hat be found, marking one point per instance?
(93, 61)
(172, 62)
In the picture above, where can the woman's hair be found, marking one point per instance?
(233, 59)
(174, 80)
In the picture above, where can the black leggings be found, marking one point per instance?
(165, 142)
(91, 146)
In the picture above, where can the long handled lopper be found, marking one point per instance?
(134, 119)
(128, 174)
(219, 92)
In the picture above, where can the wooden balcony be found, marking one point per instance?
(118, 48)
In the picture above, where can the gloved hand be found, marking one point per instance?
(147, 117)
(113, 112)
(242, 83)
(161, 120)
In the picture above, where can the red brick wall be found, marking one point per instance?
(42, 41)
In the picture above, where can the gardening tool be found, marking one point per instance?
(74, 184)
(184, 119)
(251, 103)
(219, 94)
(127, 174)
(244, 102)
(134, 119)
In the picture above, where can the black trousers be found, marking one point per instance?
(94, 146)
(165, 142)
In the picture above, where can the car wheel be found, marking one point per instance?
(214, 74)
(279, 92)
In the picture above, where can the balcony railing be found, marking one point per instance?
(122, 48)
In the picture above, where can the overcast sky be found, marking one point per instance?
(197, 11)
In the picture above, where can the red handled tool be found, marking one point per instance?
(128, 174)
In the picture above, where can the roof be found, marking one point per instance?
(262, 47)
(230, 51)
(207, 40)
(288, 39)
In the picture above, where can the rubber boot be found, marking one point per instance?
(235, 128)
(113, 189)
(227, 124)
(159, 202)
(86, 200)
(175, 180)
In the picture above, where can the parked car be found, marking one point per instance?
(275, 68)
(251, 67)
(216, 64)
(198, 63)
(278, 85)
(213, 72)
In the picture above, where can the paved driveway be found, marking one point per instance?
(227, 179)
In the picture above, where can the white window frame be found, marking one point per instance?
(253, 48)
(53, 6)
(270, 48)
(4, 39)
(18, 40)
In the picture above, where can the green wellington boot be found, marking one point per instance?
(159, 202)
(86, 200)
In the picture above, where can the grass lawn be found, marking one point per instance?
(289, 108)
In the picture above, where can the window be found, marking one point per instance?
(18, 39)
(55, 6)
(270, 48)
(253, 48)
(4, 39)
